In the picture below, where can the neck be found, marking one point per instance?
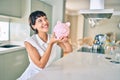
(43, 36)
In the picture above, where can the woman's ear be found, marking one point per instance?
(34, 27)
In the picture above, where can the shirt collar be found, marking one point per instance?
(40, 41)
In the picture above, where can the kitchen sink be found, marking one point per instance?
(86, 49)
(9, 46)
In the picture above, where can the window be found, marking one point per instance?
(4, 31)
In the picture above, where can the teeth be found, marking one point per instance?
(45, 26)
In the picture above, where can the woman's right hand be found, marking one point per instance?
(53, 39)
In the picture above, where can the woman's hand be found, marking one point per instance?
(63, 39)
(53, 39)
(65, 45)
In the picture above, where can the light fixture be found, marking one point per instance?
(97, 10)
(93, 22)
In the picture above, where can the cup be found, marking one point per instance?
(117, 55)
(110, 52)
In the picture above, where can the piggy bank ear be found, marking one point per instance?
(67, 23)
(58, 22)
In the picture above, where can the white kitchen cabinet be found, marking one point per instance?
(13, 64)
(12, 8)
(1, 68)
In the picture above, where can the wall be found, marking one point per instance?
(73, 27)
(76, 27)
(80, 27)
(58, 10)
(107, 25)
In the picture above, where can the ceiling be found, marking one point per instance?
(76, 5)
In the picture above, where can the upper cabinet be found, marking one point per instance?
(12, 8)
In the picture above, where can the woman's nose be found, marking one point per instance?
(44, 21)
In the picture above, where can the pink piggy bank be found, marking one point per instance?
(61, 29)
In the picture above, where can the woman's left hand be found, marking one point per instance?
(65, 45)
(64, 39)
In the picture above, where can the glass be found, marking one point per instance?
(109, 51)
(117, 55)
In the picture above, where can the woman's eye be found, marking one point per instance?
(39, 20)
(45, 18)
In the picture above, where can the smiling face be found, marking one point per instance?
(38, 22)
(41, 24)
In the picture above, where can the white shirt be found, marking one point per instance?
(41, 46)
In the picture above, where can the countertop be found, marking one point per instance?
(81, 66)
(7, 50)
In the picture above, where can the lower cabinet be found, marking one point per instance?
(13, 64)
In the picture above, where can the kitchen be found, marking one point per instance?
(84, 27)
(19, 28)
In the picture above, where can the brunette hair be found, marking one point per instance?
(32, 18)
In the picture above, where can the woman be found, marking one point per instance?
(42, 48)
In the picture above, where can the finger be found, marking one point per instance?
(53, 35)
(61, 38)
(65, 36)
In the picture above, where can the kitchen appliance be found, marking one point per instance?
(98, 43)
(99, 39)
(97, 10)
